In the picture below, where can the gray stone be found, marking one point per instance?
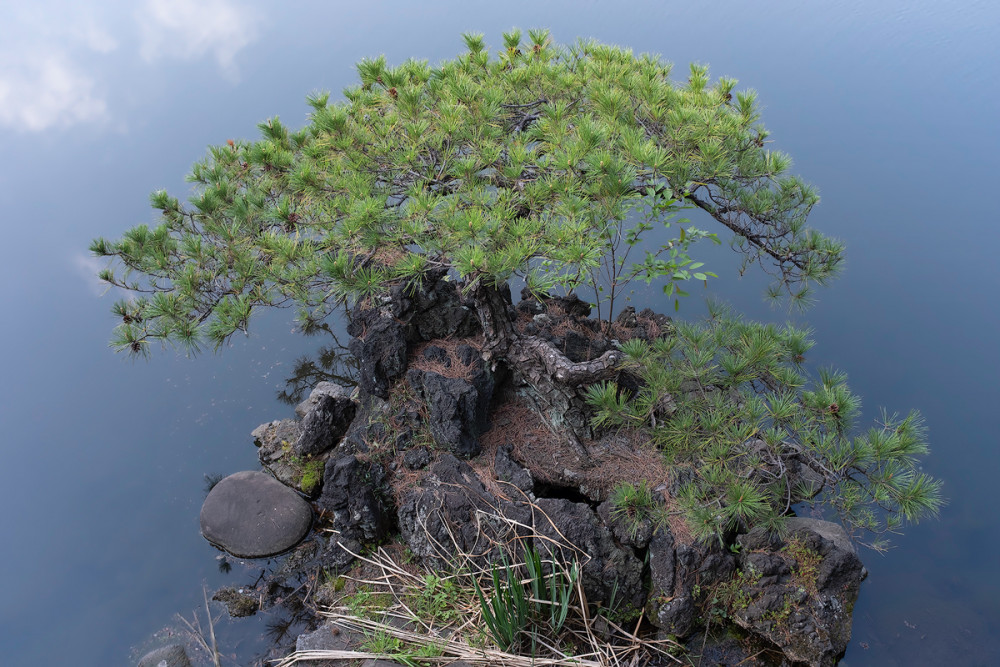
(167, 656)
(327, 637)
(275, 439)
(325, 424)
(252, 515)
(828, 530)
(324, 388)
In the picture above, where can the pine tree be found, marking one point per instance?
(551, 164)
(545, 162)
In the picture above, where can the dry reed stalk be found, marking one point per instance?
(400, 621)
(194, 627)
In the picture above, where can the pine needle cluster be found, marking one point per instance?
(729, 405)
(524, 163)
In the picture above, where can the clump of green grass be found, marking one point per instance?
(515, 612)
(805, 564)
(511, 612)
(438, 600)
(368, 603)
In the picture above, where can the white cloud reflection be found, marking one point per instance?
(191, 29)
(86, 268)
(48, 91)
(94, 36)
(56, 56)
(44, 48)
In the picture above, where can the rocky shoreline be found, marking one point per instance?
(438, 452)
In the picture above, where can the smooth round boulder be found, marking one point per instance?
(173, 655)
(252, 515)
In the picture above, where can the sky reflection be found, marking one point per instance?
(53, 55)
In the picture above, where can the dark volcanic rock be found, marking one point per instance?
(727, 646)
(252, 515)
(354, 496)
(454, 409)
(451, 510)
(417, 459)
(677, 573)
(438, 355)
(325, 424)
(632, 531)
(627, 318)
(380, 335)
(578, 347)
(799, 593)
(378, 341)
(512, 473)
(480, 378)
(369, 427)
(608, 569)
(665, 611)
(571, 305)
(438, 311)
(339, 553)
(662, 321)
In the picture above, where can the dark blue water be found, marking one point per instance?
(889, 107)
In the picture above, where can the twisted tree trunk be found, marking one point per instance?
(555, 382)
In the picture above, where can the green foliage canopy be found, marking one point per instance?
(533, 162)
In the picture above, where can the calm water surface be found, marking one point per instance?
(889, 107)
